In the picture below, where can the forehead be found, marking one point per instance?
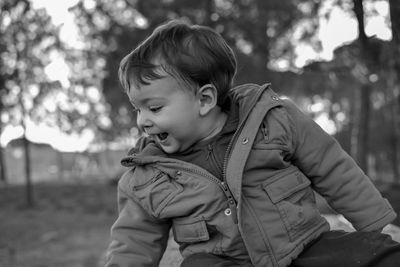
(161, 88)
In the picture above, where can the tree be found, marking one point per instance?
(363, 59)
(378, 61)
(260, 32)
(394, 85)
(361, 129)
(360, 83)
(28, 37)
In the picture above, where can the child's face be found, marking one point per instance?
(168, 113)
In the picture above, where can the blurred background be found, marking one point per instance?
(65, 121)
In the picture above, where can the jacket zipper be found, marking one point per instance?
(227, 156)
(221, 184)
(231, 200)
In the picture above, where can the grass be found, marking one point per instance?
(69, 226)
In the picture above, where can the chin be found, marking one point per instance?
(169, 150)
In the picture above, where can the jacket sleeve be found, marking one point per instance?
(136, 238)
(335, 175)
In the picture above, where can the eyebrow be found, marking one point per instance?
(132, 103)
(145, 101)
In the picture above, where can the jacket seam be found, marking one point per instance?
(293, 138)
(382, 218)
(133, 199)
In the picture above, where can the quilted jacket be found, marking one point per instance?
(264, 212)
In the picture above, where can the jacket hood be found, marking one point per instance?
(246, 96)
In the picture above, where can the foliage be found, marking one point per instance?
(28, 38)
(263, 33)
(259, 31)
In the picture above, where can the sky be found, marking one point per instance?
(341, 28)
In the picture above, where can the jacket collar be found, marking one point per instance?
(246, 96)
(147, 152)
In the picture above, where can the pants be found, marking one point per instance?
(331, 249)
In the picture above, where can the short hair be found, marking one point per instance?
(192, 53)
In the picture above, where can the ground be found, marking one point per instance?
(69, 226)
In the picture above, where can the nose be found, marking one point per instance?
(143, 121)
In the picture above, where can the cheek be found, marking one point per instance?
(182, 114)
(169, 121)
(177, 119)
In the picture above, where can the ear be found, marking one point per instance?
(207, 96)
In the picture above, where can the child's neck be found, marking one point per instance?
(216, 124)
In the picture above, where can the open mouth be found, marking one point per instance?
(162, 136)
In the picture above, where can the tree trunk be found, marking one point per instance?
(209, 9)
(394, 125)
(355, 122)
(60, 165)
(364, 116)
(29, 188)
(3, 169)
(395, 86)
(363, 133)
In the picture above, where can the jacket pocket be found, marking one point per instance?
(155, 193)
(295, 201)
(190, 232)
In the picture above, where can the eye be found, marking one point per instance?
(155, 109)
(135, 110)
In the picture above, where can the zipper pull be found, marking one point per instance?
(225, 187)
(209, 151)
(264, 131)
(231, 202)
